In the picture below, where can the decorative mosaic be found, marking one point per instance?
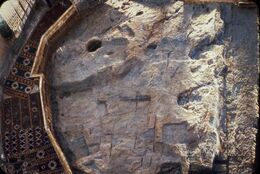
(27, 148)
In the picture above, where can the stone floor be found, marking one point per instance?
(152, 86)
(143, 87)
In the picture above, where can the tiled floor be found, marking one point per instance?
(27, 148)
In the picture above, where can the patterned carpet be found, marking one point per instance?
(26, 146)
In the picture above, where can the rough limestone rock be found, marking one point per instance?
(149, 87)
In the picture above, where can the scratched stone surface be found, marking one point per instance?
(149, 87)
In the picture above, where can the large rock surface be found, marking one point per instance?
(171, 86)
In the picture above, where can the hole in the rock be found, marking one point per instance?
(152, 46)
(188, 96)
(65, 94)
(210, 61)
(110, 53)
(198, 169)
(220, 165)
(94, 44)
(195, 69)
(139, 13)
(170, 167)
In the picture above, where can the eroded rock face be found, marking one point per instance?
(146, 87)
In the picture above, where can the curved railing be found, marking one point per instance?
(51, 34)
(38, 73)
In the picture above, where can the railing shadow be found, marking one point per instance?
(38, 74)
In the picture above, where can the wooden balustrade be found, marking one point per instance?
(38, 73)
